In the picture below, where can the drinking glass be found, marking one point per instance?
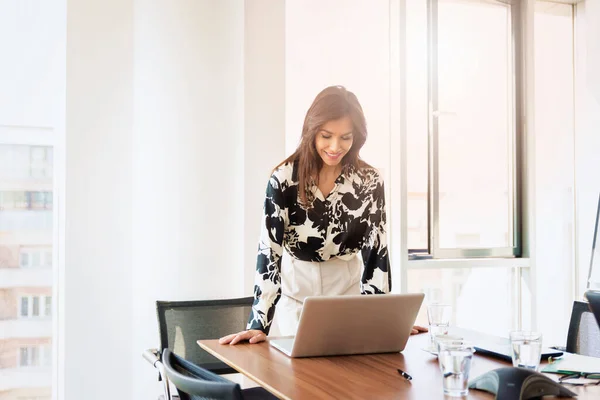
(448, 339)
(439, 321)
(455, 363)
(526, 349)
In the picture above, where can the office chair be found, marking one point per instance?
(196, 383)
(182, 323)
(584, 333)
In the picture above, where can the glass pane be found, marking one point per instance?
(24, 356)
(36, 306)
(416, 123)
(24, 306)
(26, 232)
(35, 258)
(35, 356)
(24, 259)
(481, 298)
(48, 258)
(48, 306)
(47, 360)
(475, 124)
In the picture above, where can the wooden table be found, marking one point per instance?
(354, 377)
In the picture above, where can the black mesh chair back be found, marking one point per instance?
(182, 323)
(584, 333)
(196, 383)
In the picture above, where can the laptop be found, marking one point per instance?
(357, 324)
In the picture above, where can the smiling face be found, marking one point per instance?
(334, 140)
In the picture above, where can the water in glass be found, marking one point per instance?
(526, 349)
(455, 364)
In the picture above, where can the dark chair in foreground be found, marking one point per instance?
(182, 323)
(196, 383)
(584, 333)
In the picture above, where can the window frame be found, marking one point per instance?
(516, 137)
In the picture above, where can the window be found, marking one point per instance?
(462, 136)
(35, 257)
(30, 356)
(48, 306)
(24, 306)
(25, 260)
(40, 162)
(35, 312)
(35, 306)
(476, 304)
(32, 120)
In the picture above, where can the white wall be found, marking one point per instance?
(264, 115)
(554, 170)
(155, 148)
(340, 42)
(98, 243)
(187, 193)
(587, 135)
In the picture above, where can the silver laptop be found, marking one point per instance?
(360, 324)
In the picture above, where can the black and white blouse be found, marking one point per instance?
(350, 219)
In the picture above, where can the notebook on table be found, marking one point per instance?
(573, 363)
(358, 324)
(504, 350)
(496, 346)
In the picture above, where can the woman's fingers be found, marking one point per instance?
(227, 339)
(418, 329)
(253, 336)
(260, 337)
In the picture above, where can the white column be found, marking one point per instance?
(96, 291)
(264, 130)
(587, 139)
(188, 162)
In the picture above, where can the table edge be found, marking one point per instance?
(242, 371)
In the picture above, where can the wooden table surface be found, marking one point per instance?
(372, 376)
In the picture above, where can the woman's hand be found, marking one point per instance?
(252, 336)
(418, 329)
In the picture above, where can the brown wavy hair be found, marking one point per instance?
(332, 103)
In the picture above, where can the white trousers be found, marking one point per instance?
(300, 279)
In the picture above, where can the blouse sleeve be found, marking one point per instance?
(267, 280)
(376, 278)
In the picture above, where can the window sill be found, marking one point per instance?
(469, 263)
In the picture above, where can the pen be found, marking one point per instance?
(405, 375)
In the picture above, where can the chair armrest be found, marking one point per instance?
(153, 357)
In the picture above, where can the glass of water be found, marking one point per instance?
(526, 349)
(455, 363)
(439, 321)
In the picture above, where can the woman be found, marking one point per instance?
(326, 208)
